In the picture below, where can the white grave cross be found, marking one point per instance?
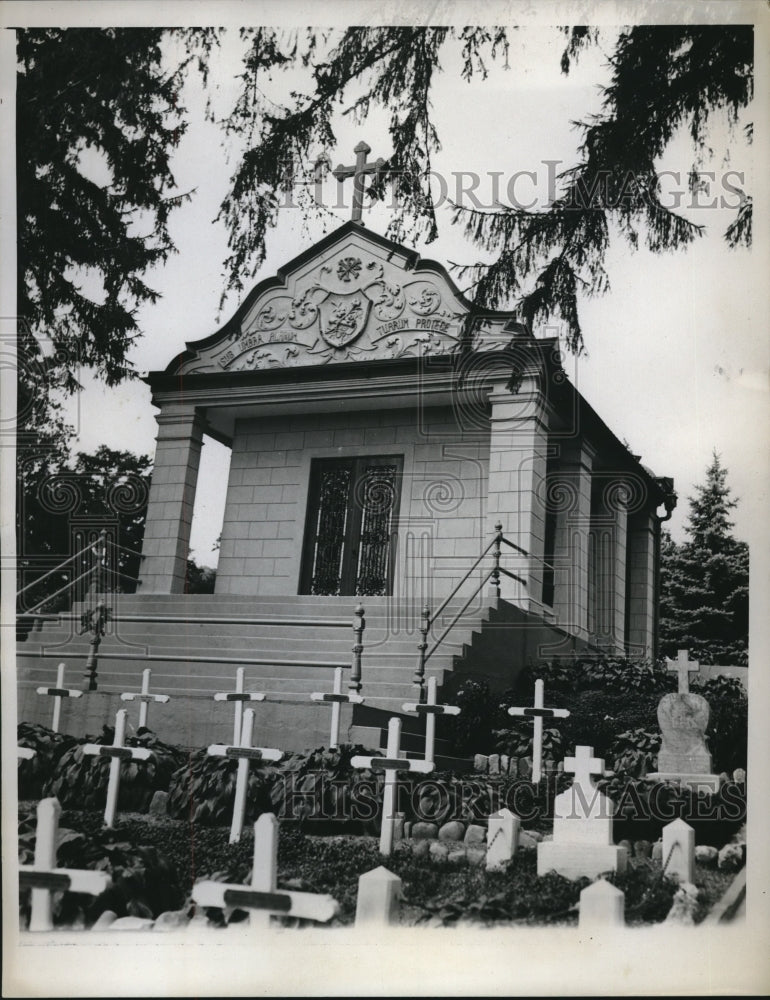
(117, 754)
(538, 713)
(238, 696)
(336, 698)
(583, 765)
(244, 753)
(57, 693)
(44, 878)
(684, 666)
(144, 697)
(262, 897)
(430, 710)
(391, 764)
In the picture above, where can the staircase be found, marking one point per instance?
(288, 647)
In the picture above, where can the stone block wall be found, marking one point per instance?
(442, 525)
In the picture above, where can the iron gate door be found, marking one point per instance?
(350, 533)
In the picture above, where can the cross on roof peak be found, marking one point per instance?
(583, 765)
(358, 173)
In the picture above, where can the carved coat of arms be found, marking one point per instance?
(343, 318)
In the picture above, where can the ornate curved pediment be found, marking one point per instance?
(354, 296)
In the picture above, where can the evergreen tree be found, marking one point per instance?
(705, 580)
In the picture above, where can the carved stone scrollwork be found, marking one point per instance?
(425, 300)
(269, 318)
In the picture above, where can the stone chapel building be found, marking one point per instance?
(385, 434)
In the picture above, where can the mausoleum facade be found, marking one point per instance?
(383, 430)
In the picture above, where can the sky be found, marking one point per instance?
(676, 355)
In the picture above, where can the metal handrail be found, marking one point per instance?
(61, 590)
(56, 568)
(428, 620)
(433, 617)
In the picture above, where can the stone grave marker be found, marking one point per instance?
(683, 718)
(502, 839)
(602, 905)
(379, 898)
(391, 764)
(244, 753)
(679, 850)
(117, 754)
(57, 693)
(44, 878)
(25, 753)
(336, 698)
(144, 697)
(538, 712)
(430, 710)
(238, 697)
(582, 827)
(262, 898)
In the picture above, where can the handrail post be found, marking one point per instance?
(419, 677)
(94, 621)
(496, 558)
(359, 624)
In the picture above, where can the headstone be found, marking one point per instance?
(679, 850)
(104, 920)
(391, 764)
(494, 763)
(683, 719)
(159, 803)
(244, 753)
(117, 754)
(57, 693)
(262, 898)
(430, 709)
(379, 898)
(739, 776)
(424, 831)
(502, 839)
(582, 827)
(144, 697)
(336, 698)
(44, 878)
(480, 763)
(601, 905)
(538, 712)
(642, 849)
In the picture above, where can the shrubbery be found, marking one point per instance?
(49, 747)
(613, 704)
(80, 781)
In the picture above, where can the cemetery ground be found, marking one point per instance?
(155, 861)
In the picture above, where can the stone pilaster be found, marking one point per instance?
(609, 529)
(570, 498)
(172, 496)
(516, 494)
(641, 584)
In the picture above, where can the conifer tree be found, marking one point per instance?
(705, 580)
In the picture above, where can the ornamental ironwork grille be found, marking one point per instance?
(350, 533)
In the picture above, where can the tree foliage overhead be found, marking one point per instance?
(705, 580)
(662, 79)
(99, 117)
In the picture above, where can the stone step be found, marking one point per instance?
(253, 637)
